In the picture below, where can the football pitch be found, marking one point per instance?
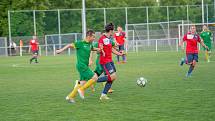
(35, 92)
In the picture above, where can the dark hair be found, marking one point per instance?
(109, 27)
(90, 32)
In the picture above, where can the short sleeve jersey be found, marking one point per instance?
(83, 50)
(206, 36)
(107, 44)
(34, 45)
(120, 37)
(191, 42)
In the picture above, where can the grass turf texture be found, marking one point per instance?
(37, 91)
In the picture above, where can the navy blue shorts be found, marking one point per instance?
(191, 57)
(121, 47)
(109, 68)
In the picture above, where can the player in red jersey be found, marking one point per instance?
(119, 37)
(191, 39)
(106, 43)
(34, 49)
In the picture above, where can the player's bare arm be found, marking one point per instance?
(181, 44)
(116, 52)
(203, 44)
(64, 48)
(91, 58)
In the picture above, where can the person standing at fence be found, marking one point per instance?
(206, 36)
(12, 47)
(120, 39)
(34, 47)
(191, 38)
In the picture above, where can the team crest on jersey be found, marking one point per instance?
(33, 41)
(195, 37)
(106, 41)
(190, 36)
(117, 34)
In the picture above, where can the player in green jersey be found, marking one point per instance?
(83, 50)
(206, 36)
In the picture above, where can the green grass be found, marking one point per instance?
(37, 92)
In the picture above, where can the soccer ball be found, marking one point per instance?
(141, 82)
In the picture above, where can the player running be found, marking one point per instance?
(106, 42)
(206, 36)
(99, 70)
(191, 39)
(83, 50)
(34, 49)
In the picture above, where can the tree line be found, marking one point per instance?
(47, 22)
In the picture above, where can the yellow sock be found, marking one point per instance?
(74, 91)
(206, 56)
(88, 84)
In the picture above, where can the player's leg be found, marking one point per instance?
(85, 74)
(32, 57)
(110, 71)
(36, 56)
(72, 94)
(117, 56)
(92, 78)
(123, 56)
(209, 52)
(193, 58)
(99, 71)
(184, 61)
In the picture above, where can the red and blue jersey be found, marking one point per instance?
(191, 42)
(107, 44)
(120, 37)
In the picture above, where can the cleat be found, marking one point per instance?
(182, 61)
(110, 91)
(104, 97)
(81, 93)
(123, 62)
(188, 75)
(70, 100)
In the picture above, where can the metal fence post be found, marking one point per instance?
(105, 17)
(147, 18)
(34, 19)
(59, 28)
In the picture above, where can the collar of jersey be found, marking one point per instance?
(85, 41)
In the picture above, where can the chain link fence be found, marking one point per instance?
(152, 26)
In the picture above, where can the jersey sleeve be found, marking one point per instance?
(185, 37)
(199, 39)
(114, 36)
(113, 43)
(100, 42)
(95, 44)
(123, 34)
(77, 44)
